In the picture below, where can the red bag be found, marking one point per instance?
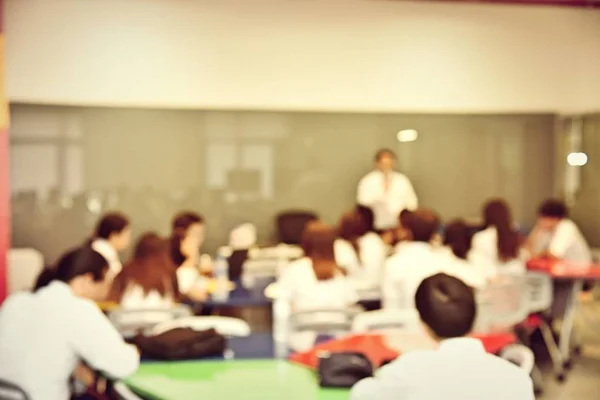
(495, 342)
(372, 346)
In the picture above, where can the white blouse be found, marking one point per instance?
(484, 255)
(364, 269)
(109, 253)
(189, 277)
(134, 298)
(461, 269)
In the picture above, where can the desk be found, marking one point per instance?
(223, 380)
(243, 297)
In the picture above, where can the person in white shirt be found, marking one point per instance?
(459, 368)
(555, 235)
(497, 248)
(412, 261)
(47, 334)
(147, 280)
(386, 191)
(187, 236)
(360, 252)
(112, 236)
(457, 243)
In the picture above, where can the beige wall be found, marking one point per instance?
(151, 163)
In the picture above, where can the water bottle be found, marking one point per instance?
(221, 273)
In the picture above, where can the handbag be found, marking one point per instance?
(181, 344)
(343, 370)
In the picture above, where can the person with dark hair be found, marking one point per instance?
(315, 281)
(187, 237)
(147, 280)
(46, 334)
(112, 236)
(457, 244)
(360, 251)
(557, 236)
(459, 368)
(497, 248)
(386, 191)
(412, 261)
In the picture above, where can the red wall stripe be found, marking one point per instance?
(4, 212)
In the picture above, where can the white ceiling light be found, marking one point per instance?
(577, 159)
(407, 135)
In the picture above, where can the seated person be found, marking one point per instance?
(497, 248)
(360, 251)
(460, 368)
(556, 236)
(112, 235)
(147, 280)
(412, 261)
(315, 281)
(457, 243)
(45, 335)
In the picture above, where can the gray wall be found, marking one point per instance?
(71, 163)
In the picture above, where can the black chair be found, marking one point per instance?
(9, 391)
(291, 224)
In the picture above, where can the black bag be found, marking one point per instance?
(181, 344)
(343, 370)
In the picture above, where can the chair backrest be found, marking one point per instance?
(322, 321)
(291, 224)
(281, 252)
(383, 320)
(10, 391)
(226, 326)
(519, 355)
(24, 266)
(539, 292)
(502, 304)
(131, 321)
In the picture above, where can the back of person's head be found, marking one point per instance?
(82, 267)
(457, 236)
(318, 245)
(423, 224)
(553, 208)
(367, 215)
(496, 213)
(404, 218)
(150, 267)
(114, 227)
(352, 227)
(446, 305)
(180, 226)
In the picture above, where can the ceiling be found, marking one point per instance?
(558, 3)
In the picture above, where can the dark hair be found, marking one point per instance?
(179, 226)
(423, 224)
(458, 237)
(150, 267)
(367, 215)
(553, 208)
(318, 245)
(404, 218)
(383, 153)
(351, 228)
(497, 214)
(80, 261)
(446, 305)
(109, 224)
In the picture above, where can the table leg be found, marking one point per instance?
(566, 329)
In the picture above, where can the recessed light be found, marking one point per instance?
(577, 159)
(407, 135)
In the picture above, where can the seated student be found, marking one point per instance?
(360, 251)
(497, 248)
(45, 335)
(555, 235)
(457, 243)
(412, 261)
(315, 281)
(186, 240)
(459, 368)
(147, 280)
(111, 236)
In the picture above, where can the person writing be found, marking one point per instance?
(459, 368)
(47, 335)
(386, 191)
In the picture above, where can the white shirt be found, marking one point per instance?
(467, 272)
(44, 335)
(484, 254)
(567, 242)
(405, 270)
(459, 369)
(109, 253)
(299, 286)
(187, 278)
(386, 205)
(134, 298)
(364, 269)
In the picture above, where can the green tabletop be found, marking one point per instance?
(232, 379)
